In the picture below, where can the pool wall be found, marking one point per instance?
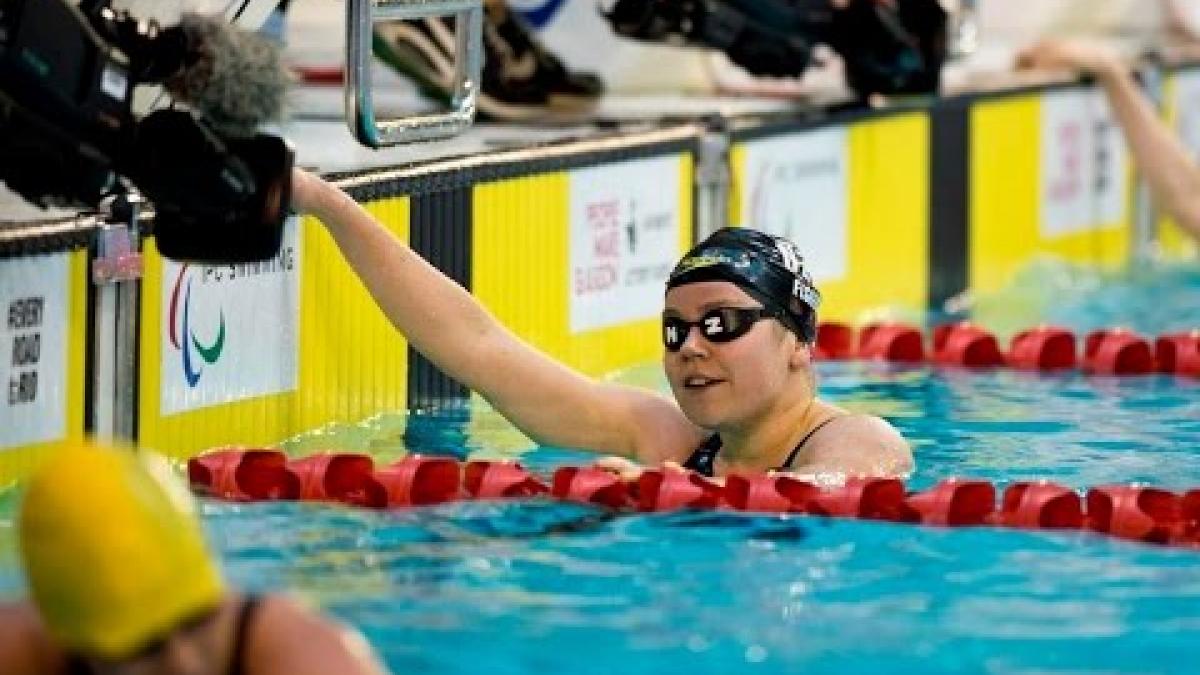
(568, 244)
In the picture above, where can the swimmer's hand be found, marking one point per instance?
(625, 469)
(629, 471)
(1084, 56)
(307, 191)
(822, 479)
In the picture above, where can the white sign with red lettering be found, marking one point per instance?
(795, 186)
(1084, 185)
(230, 332)
(1187, 109)
(625, 224)
(34, 318)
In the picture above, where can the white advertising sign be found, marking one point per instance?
(624, 239)
(35, 301)
(1187, 105)
(1083, 179)
(796, 186)
(230, 332)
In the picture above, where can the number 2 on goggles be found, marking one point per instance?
(722, 324)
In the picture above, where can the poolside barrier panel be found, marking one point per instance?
(920, 203)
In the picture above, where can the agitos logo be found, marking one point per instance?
(182, 336)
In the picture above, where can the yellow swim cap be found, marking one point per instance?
(112, 550)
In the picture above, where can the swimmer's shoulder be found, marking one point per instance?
(663, 433)
(288, 636)
(857, 443)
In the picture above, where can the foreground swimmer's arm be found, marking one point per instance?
(1162, 158)
(548, 401)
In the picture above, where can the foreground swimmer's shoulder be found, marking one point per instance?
(289, 637)
(858, 444)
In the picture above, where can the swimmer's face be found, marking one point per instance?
(728, 384)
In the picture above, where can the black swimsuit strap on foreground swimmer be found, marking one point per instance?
(250, 607)
(703, 460)
(77, 665)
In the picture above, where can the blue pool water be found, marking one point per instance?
(542, 587)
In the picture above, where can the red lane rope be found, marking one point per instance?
(1127, 511)
(1111, 351)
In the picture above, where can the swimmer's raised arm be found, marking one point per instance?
(1162, 157)
(548, 401)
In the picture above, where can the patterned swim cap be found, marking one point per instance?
(767, 267)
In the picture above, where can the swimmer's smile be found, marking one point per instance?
(700, 382)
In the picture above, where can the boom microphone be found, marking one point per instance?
(69, 134)
(234, 78)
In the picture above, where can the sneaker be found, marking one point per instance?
(521, 80)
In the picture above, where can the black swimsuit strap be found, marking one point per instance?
(250, 606)
(703, 459)
(787, 463)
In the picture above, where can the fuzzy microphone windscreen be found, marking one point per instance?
(235, 79)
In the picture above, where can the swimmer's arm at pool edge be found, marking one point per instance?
(548, 401)
(1160, 154)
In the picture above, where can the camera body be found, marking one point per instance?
(69, 135)
(896, 47)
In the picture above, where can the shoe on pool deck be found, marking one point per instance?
(521, 80)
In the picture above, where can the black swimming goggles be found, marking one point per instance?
(722, 324)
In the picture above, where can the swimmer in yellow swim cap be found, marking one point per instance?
(121, 582)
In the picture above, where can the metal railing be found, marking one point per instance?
(375, 132)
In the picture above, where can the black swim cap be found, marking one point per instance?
(768, 268)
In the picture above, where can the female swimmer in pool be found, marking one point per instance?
(738, 329)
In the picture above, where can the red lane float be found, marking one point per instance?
(416, 480)
(672, 489)
(1130, 512)
(1178, 353)
(590, 485)
(500, 480)
(1040, 505)
(1117, 351)
(1043, 348)
(1189, 531)
(965, 344)
(895, 342)
(339, 477)
(768, 494)
(241, 474)
(955, 502)
(870, 498)
(835, 341)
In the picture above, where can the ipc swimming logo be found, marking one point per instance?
(182, 336)
(537, 12)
